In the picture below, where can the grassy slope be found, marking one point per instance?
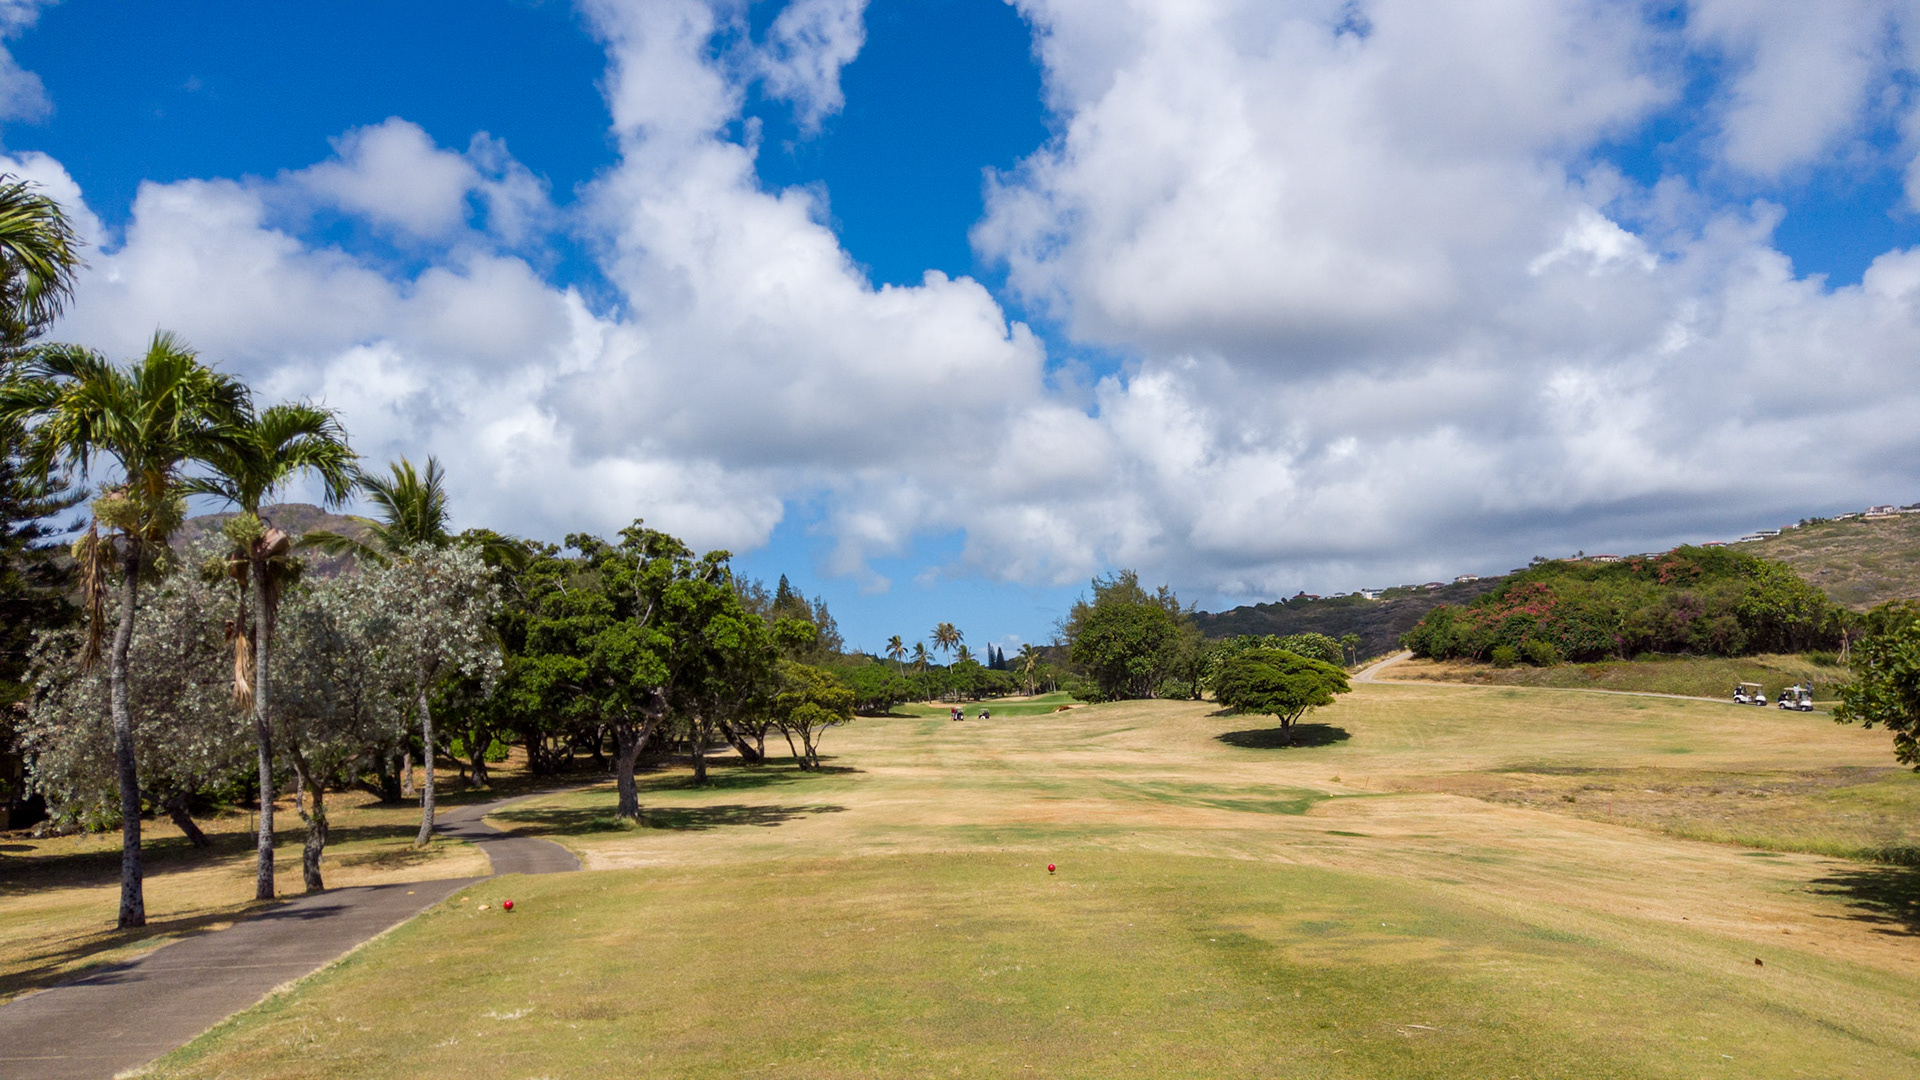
(1858, 563)
(1378, 622)
(1689, 676)
(1224, 907)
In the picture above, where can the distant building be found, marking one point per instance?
(1714, 543)
(1464, 578)
(1370, 594)
(1882, 511)
(1603, 558)
(1433, 585)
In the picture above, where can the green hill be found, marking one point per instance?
(1378, 622)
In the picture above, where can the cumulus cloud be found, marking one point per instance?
(1384, 315)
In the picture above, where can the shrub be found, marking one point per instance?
(1539, 653)
(1505, 656)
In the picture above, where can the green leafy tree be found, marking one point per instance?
(1281, 684)
(810, 701)
(267, 451)
(1126, 638)
(151, 418)
(1885, 690)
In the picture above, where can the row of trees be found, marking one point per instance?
(179, 678)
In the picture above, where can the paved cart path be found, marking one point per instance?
(118, 1016)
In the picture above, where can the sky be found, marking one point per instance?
(941, 307)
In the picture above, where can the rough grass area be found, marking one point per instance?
(60, 895)
(1708, 677)
(1858, 563)
(1219, 908)
(1868, 814)
(983, 965)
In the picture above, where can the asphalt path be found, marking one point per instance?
(118, 1016)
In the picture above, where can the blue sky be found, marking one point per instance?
(1263, 303)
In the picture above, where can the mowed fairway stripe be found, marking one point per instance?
(983, 964)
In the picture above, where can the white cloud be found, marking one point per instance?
(1384, 316)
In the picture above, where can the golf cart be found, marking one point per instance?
(1750, 693)
(1797, 698)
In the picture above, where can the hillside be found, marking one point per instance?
(1378, 622)
(297, 519)
(1859, 563)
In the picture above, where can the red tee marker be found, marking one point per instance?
(507, 906)
(1049, 868)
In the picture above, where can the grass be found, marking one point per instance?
(1038, 705)
(1858, 563)
(60, 895)
(1708, 677)
(1219, 908)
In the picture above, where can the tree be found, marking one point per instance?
(1350, 645)
(1282, 684)
(1125, 637)
(809, 702)
(896, 650)
(946, 638)
(1030, 661)
(39, 254)
(342, 683)
(266, 451)
(1885, 689)
(189, 736)
(920, 657)
(152, 418)
(441, 602)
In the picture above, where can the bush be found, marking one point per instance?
(1539, 653)
(1505, 656)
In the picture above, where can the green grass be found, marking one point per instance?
(983, 965)
(1038, 705)
(1218, 908)
(1709, 677)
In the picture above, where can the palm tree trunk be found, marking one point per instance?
(133, 901)
(426, 754)
(262, 731)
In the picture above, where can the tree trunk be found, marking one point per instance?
(133, 901)
(480, 763)
(315, 820)
(262, 731)
(737, 738)
(426, 788)
(176, 807)
(406, 773)
(697, 746)
(627, 741)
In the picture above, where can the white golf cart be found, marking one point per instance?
(1750, 693)
(1797, 698)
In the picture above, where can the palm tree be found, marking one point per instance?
(412, 507)
(896, 649)
(271, 448)
(920, 656)
(38, 255)
(946, 638)
(1029, 663)
(963, 655)
(152, 417)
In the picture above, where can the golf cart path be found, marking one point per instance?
(1371, 674)
(117, 1016)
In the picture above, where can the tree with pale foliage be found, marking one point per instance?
(342, 686)
(189, 735)
(441, 603)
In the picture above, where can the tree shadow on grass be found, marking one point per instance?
(558, 821)
(69, 960)
(1303, 736)
(1886, 896)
